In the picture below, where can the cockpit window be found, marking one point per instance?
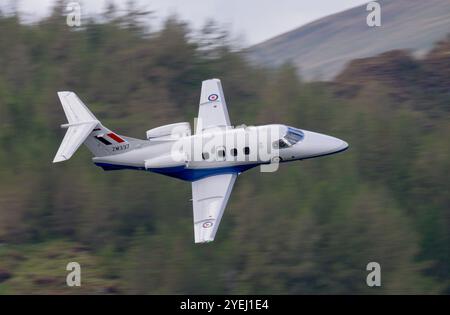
(280, 144)
(292, 137)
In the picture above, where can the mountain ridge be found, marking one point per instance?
(322, 48)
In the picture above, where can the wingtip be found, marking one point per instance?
(203, 241)
(212, 79)
(59, 158)
(63, 93)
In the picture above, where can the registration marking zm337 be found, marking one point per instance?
(121, 147)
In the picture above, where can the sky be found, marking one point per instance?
(252, 21)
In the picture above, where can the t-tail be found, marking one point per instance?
(84, 127)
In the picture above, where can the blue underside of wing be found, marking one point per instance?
(181, 172)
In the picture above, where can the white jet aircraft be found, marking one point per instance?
(224, 151)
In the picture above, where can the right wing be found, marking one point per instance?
(210, 196)
(213, 110)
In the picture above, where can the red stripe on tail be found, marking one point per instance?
(115, 137)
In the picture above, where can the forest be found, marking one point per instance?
(310, 228)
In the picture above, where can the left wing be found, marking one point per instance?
(210, 196)
(213, 110)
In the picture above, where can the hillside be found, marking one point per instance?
(426, 79)
(321, 49)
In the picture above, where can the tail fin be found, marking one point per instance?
(84, 127)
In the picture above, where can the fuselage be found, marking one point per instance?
(223, 150)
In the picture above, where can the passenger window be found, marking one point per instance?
(246, 150)
(221, 153)
(234, 152)
(205, 155)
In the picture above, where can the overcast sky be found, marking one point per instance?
(252, 20)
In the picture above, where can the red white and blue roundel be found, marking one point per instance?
(213, 97)
(207, 224)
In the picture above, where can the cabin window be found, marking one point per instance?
(246, 150)
(233, 152)
(221, 153)
(205, 155)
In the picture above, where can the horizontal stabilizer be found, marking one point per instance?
(74, 137)
(81, 124)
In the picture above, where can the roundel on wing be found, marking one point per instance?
(213, 97)
(207, 224)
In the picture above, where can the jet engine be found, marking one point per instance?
(169, 132)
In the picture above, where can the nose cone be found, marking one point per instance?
(339, 145)
(329, 145)
(317, 144)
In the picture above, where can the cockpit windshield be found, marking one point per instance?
(292, 137)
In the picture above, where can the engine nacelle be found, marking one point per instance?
(169, 132)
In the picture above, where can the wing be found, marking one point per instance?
(213, 109)
(210, 196)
